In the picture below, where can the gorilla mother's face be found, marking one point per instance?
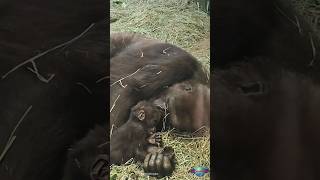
(188, 104)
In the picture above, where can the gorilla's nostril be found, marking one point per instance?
(188, 89)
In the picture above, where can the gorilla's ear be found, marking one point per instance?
(140, 114)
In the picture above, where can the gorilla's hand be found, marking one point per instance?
(89, 158)
(100, 168)
(155, 138)
(160, 163)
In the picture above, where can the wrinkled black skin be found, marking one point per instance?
(62, 111)
(266, 134)
(130, 140)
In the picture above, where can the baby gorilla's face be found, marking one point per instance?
(147, 113)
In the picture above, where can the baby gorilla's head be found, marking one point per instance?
(147, 113)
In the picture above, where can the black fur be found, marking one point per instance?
(153, 67)
(265, 92)
(143, 69)
(130, 140)
(273, 29)
(271, 132)
(66, 107)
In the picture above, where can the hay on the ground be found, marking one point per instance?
(182, 23)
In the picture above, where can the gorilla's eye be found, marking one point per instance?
(254, 88)
(188, 88)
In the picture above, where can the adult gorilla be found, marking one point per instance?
(145, 69)
(51, 101)
(266, 92)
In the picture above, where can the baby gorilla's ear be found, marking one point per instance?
(140, 114)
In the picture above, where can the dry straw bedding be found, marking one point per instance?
(180, 22)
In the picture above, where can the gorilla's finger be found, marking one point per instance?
(146, 162)
(167, 167)
(152, 140)
(159, 162)
(152, 131)
(158, 136)
(152, 164)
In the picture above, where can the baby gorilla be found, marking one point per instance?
(138, 132)
(137, 139)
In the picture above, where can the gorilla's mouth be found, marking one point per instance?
(188, 112)
(178, 122)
